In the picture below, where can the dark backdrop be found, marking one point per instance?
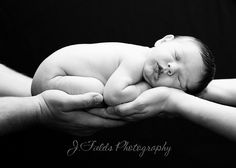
(32, 30)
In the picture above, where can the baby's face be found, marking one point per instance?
(175, 63)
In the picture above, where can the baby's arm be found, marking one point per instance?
(124, 85)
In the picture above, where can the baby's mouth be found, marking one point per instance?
(157, 71)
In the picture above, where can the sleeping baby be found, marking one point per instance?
(121, 72)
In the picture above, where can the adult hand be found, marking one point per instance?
(155, 101)
(68, 112)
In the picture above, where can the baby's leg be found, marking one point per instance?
(76, 84)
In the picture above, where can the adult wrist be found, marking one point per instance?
(36, 108)
(40, 108)
(174, 102)
(32, 110)
(18, 113)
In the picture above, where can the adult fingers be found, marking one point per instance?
(127, 109)
(89, 120)
(102, 112)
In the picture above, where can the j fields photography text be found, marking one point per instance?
(121, 146)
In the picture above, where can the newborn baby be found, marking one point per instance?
(121, 72)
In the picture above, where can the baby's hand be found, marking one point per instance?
(143, 86)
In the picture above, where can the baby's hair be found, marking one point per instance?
(208, 61)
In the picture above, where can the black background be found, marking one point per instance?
(32, 30)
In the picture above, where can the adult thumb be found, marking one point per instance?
(83, 101)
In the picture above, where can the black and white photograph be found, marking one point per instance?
(104, 83)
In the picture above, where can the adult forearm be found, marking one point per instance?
(220, 118)
(221, 91)
(13, 83)
(17, 112)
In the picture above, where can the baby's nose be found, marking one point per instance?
(168, 70)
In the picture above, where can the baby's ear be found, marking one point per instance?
(164, 39)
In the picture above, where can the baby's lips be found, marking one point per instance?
(156, 72)
(157, 68)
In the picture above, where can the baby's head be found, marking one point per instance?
(181, 62)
